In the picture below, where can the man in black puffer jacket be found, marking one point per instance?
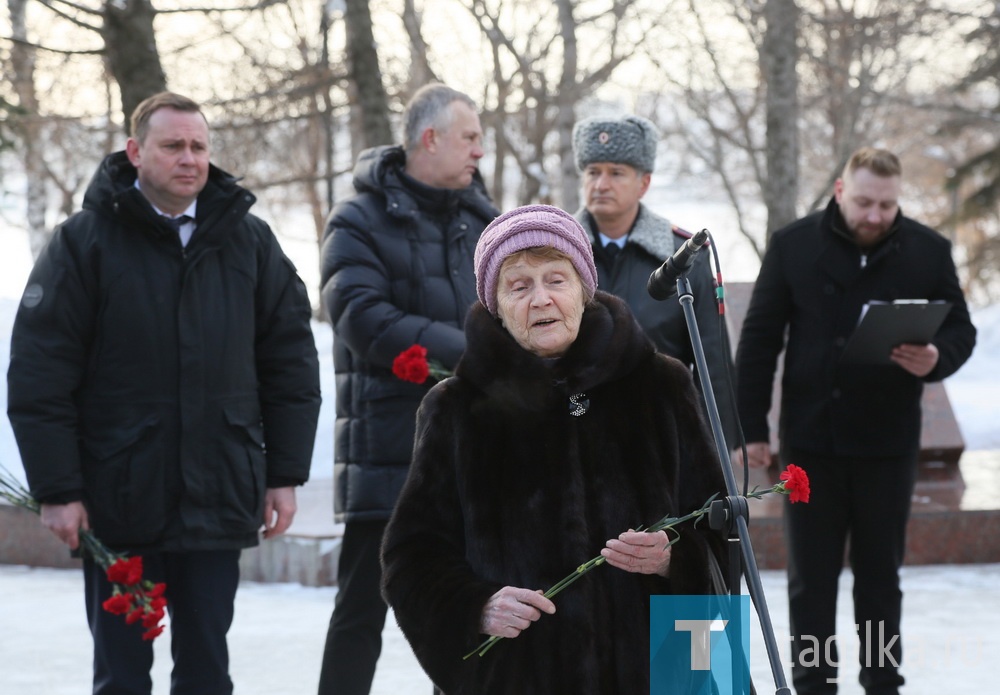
(396, 271)
(164, 389)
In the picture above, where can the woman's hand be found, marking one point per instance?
(641, 552)
(511, 610)
(758, 454)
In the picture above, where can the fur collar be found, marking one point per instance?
(610, 343)
(653, 233)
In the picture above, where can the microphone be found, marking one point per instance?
(663, 281)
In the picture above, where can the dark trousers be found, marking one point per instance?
(354, 639)
(201, 589)
(868, 502)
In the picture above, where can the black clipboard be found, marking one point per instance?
(885, 325)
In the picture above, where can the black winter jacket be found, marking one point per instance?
(651, 241)
(166, 387)
(814, 280)
(396, 271)
(508, 488)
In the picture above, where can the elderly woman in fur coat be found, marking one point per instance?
(561, 430)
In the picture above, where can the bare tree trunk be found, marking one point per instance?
(779, 56)
(22, 59)
(496, 121)
(420, 70)
(325, 108)
(565, 116)
(130, 46)
(372, 112)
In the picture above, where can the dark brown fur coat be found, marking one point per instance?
(506, 487)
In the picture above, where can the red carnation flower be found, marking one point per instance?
(157, 590)
(134, 570)
(119, 604)
(152, 633)
(796, 482)
(132, 596)
(152, 619)
(118, 571)
(411, 364)
(126, 571)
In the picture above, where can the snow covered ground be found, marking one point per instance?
(951, 630)
(974, 390)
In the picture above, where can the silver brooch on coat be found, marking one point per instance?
(578, 404)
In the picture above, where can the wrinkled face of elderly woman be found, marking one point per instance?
(540, 300)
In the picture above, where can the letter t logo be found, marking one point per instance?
(701, 640)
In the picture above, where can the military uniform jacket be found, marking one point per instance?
(652, 240)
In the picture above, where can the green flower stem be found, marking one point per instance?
(552, 591)
(437, 371)
(12, 491)
(667, 523)
(572, 577)
(101, 554)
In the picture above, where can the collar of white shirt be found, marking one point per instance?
(186, 229)
(619, 242)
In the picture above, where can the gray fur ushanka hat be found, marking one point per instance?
(628, 140)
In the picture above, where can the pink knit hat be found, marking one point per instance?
(529, 227)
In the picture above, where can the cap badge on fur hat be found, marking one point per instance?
(627, 140)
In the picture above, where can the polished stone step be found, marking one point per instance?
(956, 511)
(954, 514)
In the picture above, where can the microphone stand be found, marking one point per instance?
(731, 513)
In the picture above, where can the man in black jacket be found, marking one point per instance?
(854, 428)
(164, 389)
(616, 157)
(396, 271)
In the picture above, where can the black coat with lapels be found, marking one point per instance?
(813, 284)
(508, 487)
